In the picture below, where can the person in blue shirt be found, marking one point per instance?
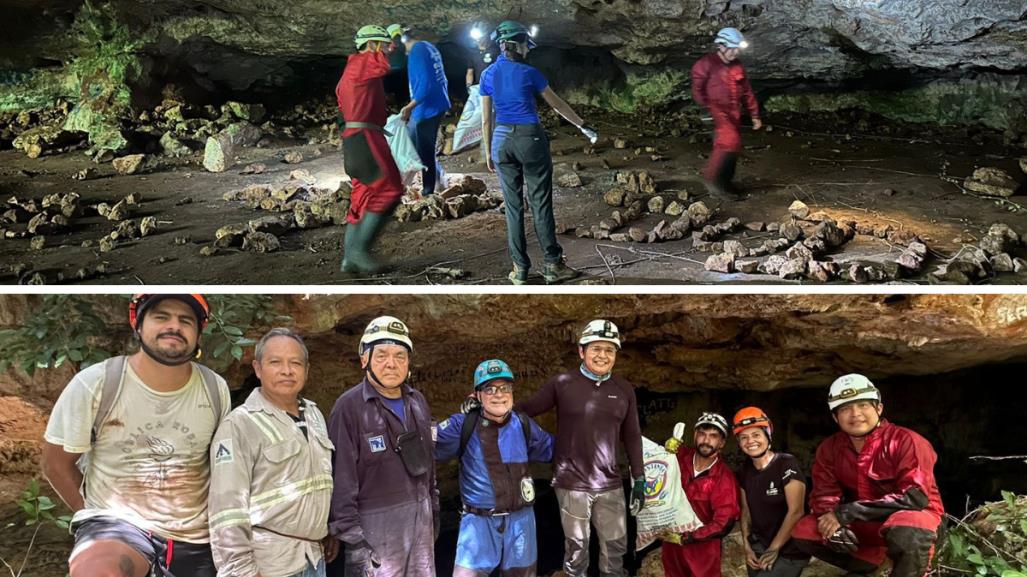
(429, 102)
(518, 149)
(494, 445)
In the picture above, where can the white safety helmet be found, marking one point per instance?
(600, 330)
(850, 388)
(385, 328)
(712, 420)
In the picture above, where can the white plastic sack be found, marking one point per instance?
(402, 147)
(666, 505)
(468, 130)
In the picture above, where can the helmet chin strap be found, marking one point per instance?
(153, 355)
(370, 371)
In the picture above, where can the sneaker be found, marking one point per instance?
(559, 272)
(518, 275)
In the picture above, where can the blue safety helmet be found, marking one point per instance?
(731, 38)
(491, 370)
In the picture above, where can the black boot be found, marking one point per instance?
(910, 550)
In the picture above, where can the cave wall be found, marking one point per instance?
(260, 49)
(945, 363)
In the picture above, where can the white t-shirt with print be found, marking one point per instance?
(150, 465)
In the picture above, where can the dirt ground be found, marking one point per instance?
(883, 178)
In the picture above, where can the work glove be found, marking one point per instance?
(843, 541)
(676, 439)
(590, 133)
(470, 404)
(637, 501)
(361, 560)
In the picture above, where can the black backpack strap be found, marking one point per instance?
(470, 422)
(526, 429)
(110, 389)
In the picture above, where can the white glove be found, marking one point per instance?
(590, 133)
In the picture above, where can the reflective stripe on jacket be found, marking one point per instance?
(270, 490)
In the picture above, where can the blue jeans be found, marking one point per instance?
(311, 571)
(424, 133)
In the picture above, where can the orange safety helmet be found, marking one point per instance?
(750, 417)
(140, 303)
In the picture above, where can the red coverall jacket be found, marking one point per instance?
(888, 483)
(713, 495)
(377, 184)
(723, 89)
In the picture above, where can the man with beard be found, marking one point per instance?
(713, 493)
(127, 448)
(874, 493)
(385, 503)
(595, 414)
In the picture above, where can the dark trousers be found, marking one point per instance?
(521, 155)
(425, 133)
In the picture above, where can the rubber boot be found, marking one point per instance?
(719, 185)
(910, 550)
(357, 243)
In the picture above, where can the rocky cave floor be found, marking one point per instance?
(880, 202)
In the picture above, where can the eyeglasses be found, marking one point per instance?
(496, 389)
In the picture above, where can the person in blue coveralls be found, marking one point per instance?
(429, 102)
(494, 445)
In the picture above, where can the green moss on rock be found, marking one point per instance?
(996, 105)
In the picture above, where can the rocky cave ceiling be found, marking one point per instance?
(816, 39)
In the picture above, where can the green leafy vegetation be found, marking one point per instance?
(989, 541)
(74, 328)
(39, 510)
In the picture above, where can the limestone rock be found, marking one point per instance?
(637, 234)
(173, 147)
(655, 205)
(276, 224)
(773, 264)
(569, 180)
(792, 268)
(791, 231)
(119, 211)
(130, 164)
(230, 235)
(147, 226)
(219, 153)
(799, 209)
(748, 266)
(755, 226)
(992, 182)
(614, 197)
(260, 242)
(37, 242)
(698, 214)
(293, 157)
(1002, 263)
(723, 263)
(675, 208)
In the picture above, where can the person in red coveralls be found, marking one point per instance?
(377, 185)
(874, 493)
(719, 84)
(712, 491)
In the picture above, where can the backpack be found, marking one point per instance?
(471, 422)
(114, 376)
